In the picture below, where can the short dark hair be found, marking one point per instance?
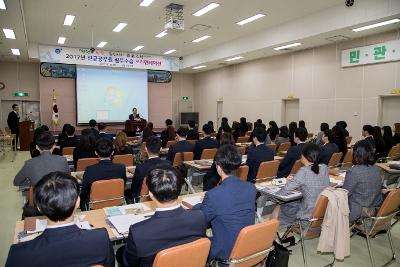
(331, 135)
(207, 129)
(92, 123)
(284, 132)
(45, 141)
(311, 152)
(101, 126)
(55, 195)
(182, 131)
(301, 133)
(153, 144)
(324, 126)
(260, 133)
(191, 123)
(104, 147)
(228, 157)
(14, 105)
(69, 129)
(164, 184)
(168, 122)
(363, 153)
(368, 128)
(134, 109)
(343, 124)
(302, 124)
(224, 119)
(259, 121)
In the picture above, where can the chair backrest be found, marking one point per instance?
(126, 159)
(348, 159)
(170, 143)
(187, 156)
(193, 254)
(268, 169)
(193, 142)
(284, 146)
(348, 139)
(242, 172)
(214, 134)
(208, 153)
(144, 191)
(335, 159)
(85, 162)
(272, 147)
(319, 211)
(252, 240)
(243, 139)
(394, 151)
(242, 150)
(248, 133)
(107, 193)
(68, 151)
(297, 165)
(391, 204)
(310, 135)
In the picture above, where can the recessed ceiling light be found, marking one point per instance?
(15, 51)
(161, 34)
(69, 19)
(287, 46)
(199, 67)
(101, 44)
(61, 40)
(380, 24)
(9, 33)
(169, 52)
(245, 21)
(137, 48)
(2, 4)
(146, 2)
(205, 9)
(233, 58)
(119, 27)
(201, 39)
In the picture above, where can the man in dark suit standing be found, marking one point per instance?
(62, 243)
(228, 207)
(259, 153)
(135, 115)
(181, 146)
(153, 146)
(193, 133)
(171, 225)
(13, 123)
(368, 132)
(293, 154)
(205, 143)
(104, 170)
(328, 148)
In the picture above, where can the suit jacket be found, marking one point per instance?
(13, 122)
(370, 140)
(255, 156)
(69, 142)
(83, 152)
(64, 246)
(94, 131)
(104, 170)
(293, 154)
(229, 207)
(37, 167)
(126, 150)
(192, 134)
(163, 230)
(327, 151)
(131, 117)
(181, 146)
(205, 143)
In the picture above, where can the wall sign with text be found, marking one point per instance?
(372, 54)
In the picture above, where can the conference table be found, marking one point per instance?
(388, 174)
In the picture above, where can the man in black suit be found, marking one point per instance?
(171, 225)
(193, 133)
(13, 123)
(181, 146)
(368, 132)
(205, 143)
(153, 146)
(104, 170)
(259, 153)
(135, 115)
(71, 140)
(328, 148)
(62, 243)
(92, 125)
(102, 131)
(294, 153)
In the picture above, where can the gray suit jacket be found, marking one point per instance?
(34, 169)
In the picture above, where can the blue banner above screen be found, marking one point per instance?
(109, 94)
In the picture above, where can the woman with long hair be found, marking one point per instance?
(380, 147)
(121, 146)
(388, 137)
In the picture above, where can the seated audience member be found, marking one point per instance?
(273, 133)
(34, 169)
(121, 144)
(86, 146)
(62, 243)
(343, 124)
(147, 131)
(396, 136)
(310, 180)
(102, 131)
(225, 129)
(380, 147)
(228, 207)
(71, 140)
(104, 170)
(153, 146)
(63, 135)
(212, 178)
(271, 125)
(388, 137)
(193, 133)
(242, 127)
(328, 148)
(363, 181)
(211, 123)
(170, 226)
(283, 136)
(292, 128)
(32, 147)
(340, 140)
(302, 124)
(294, 153)
(267, 140)
(168, 134)
(181, 146)
(224, 125)
(323, 127)
(368, 134)
(206, 143)
(92, 127)
(235, 130)
(259, 153)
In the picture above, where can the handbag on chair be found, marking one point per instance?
(279, 257)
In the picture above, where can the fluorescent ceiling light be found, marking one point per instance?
(199, 67)
(161, 34)
(169, 52)
(245, 21)
(206, 9)
(233, 58)
(137, 48)
(9, 33)
(69, 19)
(380, 24)
(2, 4)
(201, 39)
(61, 40)
(101, 44)
(15, 51)
(287, 46)
(146, 2)
(119, 27)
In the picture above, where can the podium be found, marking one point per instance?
(132, 126)
(26, 130)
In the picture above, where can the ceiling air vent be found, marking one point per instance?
(200, 27)
(337, 38)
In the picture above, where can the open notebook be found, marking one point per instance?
(121, 223)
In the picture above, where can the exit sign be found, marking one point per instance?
(185, 98)
(19, 94)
